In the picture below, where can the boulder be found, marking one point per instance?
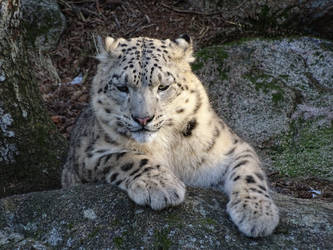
(102, 217)
(278, 95)
(44, 23)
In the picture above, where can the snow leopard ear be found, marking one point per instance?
(102, 54)
(112, 44)
(108, 48)
(183, 48)
(185, 37)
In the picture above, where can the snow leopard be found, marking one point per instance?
(150, 129)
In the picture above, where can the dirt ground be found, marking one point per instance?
(74, 59)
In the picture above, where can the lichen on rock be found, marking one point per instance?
(55, 219)
(44, 23)
(273, 92)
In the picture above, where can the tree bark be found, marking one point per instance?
(31, 149)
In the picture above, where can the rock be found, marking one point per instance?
(277, 94)
(100, 217)
(269, 17)
(319, 18)
(31, 148)
(44, 23)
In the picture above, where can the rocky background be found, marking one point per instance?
(267, 66)
(102, 217)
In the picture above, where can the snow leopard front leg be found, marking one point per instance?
(250, 206)
(146, 181)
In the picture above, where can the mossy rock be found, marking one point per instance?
(278, 95)
(305, 152)
(44, 23)
(84, 217)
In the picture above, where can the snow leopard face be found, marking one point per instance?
(137, 83)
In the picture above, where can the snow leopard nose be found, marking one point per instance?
(143, 120)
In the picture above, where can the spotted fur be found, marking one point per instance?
(149, 129)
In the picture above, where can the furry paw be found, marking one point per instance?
(159, 192)
(254, 216)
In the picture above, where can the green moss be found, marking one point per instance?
(277, 97)
(268, 84)
(215, 53)
(41, 148)
(209, 221)
(224, 75)
(175, 220)
(93, 233)
(161, 239)
(118, 241)
(305, 152)
(197, 65)
(70, 226)
(115, 222)
(243, 40)
(208, 224)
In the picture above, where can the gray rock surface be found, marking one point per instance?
(102, 217)
(278, 95)
(44, 23)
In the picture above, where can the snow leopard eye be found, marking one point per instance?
(163, 87)
(123, 89)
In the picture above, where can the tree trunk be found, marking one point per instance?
(31, 149)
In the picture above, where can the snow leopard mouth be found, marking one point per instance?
(143, 135)
(144, 130)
